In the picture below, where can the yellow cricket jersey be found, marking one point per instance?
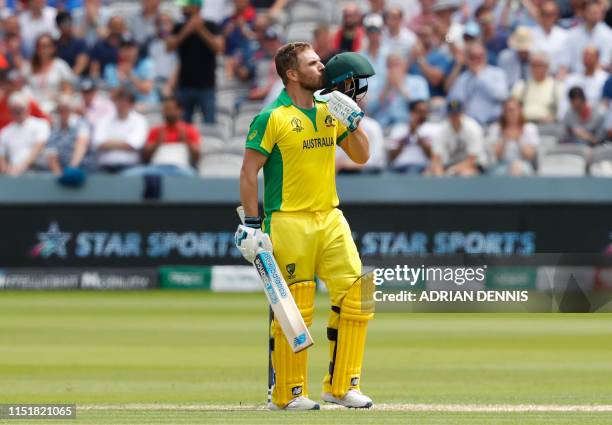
(299, 174)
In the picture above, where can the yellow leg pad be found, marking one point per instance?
(290, 368)
(347, 352)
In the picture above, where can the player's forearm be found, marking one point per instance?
(248, 192)
(357, 146)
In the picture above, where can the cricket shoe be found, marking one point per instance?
(298, 403)
(352, 399)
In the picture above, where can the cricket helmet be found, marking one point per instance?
(348, 72)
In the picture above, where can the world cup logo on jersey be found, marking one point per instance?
(297, 124)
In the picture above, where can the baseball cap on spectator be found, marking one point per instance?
(454, 107)
(521, 39)
(373, 22)
(440, 5)
(471, 30)
(87, 84)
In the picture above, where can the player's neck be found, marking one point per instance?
(301, 97)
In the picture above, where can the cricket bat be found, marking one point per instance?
(280, 299)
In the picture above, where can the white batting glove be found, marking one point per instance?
(345, 110)
(250, 241)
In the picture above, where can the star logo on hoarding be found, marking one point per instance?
(53, 241)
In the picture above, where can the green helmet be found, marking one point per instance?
(347, 67)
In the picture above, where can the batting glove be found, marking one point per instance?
(345, 110)
(251, 241)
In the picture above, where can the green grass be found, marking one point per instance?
(202, 348)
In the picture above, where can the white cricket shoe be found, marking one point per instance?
(298, 403)
(352, 399)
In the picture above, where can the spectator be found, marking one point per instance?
(592, 32)
(323, 43)
(494, 37)
(69, 140)
(198, 43)
(71, 49)
(238, 28)
(430, 61)
(523, 13)
(549, 37)
(515, 60)
(375, 52)
(349, 36)
(592, 78)
(46, 73)
(172, 148)
(132, 73)
(117, 141)
(143, 24)
(411, 143)
(376, 139)
(259, 68)
(23, 140)
(583, 124)
(389, 99)
(8, 86)
(165, 62)
(91, 20)
(513, 141)
(481, 88)
(95, 108)
(425, 17)
(397, 38)
(36, 20)
(14, 51)
(105, 50)
(541, 95)
(452, 30)
(458, 147)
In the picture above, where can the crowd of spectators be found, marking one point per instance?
(462, 87)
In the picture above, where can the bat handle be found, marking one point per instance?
(240, 212)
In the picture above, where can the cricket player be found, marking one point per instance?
(294, 139)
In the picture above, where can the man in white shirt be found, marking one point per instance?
(37, 20)
(117, 141)
(410, 143)
(458, 149)
(549, 37)
(593, 31)
(23, 140)
(591, 79)
(397, 37)
(95, 108)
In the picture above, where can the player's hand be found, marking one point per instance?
(250, 241)
(345, 110)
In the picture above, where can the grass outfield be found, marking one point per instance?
(194, 357)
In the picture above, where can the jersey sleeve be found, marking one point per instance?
(261, 136)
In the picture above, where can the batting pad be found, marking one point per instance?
(289, 367)
(347, 343)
